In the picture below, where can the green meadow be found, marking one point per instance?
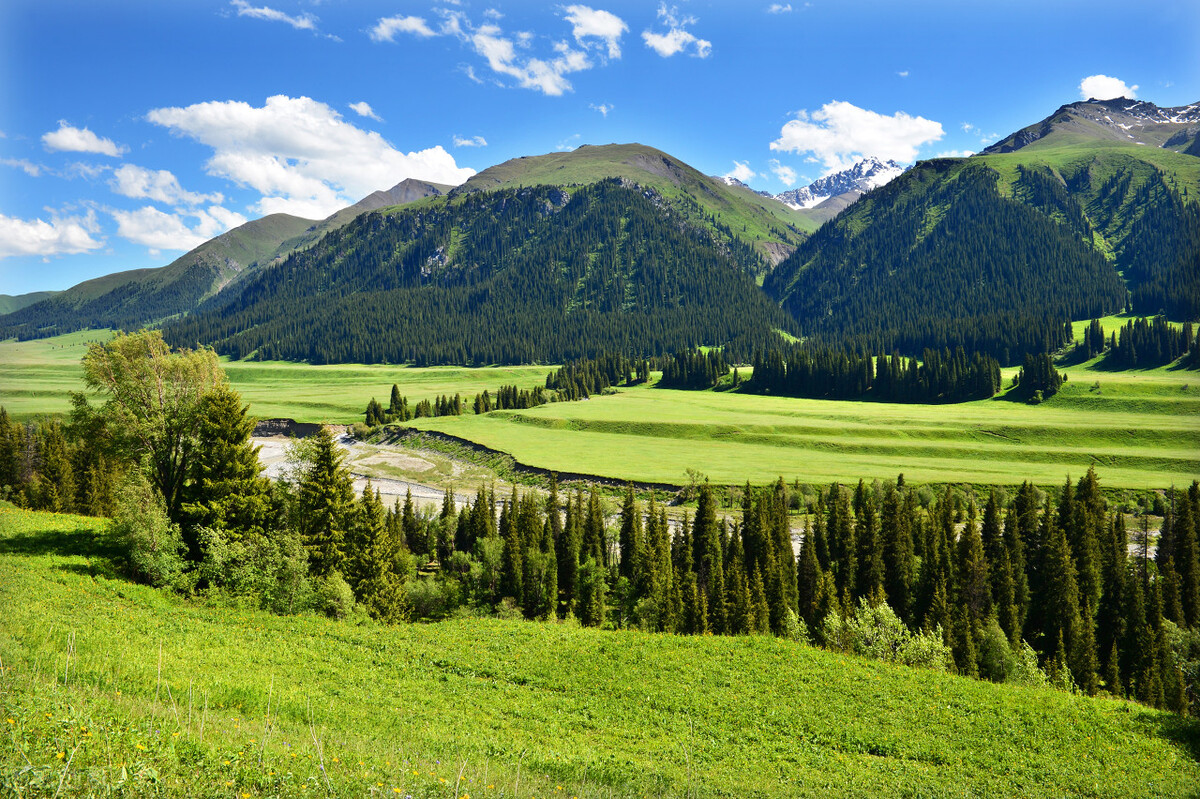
(1139, 428)
(36, 377)
(110, 688)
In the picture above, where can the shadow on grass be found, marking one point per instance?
(85, 542)
(1182, 731)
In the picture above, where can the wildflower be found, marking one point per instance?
(139, 746)
(60, 755)
(10, 721)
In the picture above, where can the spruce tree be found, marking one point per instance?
(870, 554)
(324, 505)
(896, 535)
(226, 492)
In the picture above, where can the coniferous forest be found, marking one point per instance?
(513, 276)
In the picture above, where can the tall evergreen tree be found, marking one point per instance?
(324, 505)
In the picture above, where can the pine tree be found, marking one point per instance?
(630, 539)
(226, 492)
(974, 583)
(1187, 561)
(1060, 598)
(325, 502)
(760, 616)
(870, 553)
(512, 568)
(1085, 664)
(594, 545)
(896, 535)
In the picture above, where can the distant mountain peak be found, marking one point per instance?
(1117, 120)
(869, 173)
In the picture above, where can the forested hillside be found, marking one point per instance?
(939, 258)
(512, 276)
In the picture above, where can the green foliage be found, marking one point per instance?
(150, 540)
(875, 631)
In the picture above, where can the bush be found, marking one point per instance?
(334, 596)
(996, 658)
(1025, 669)
(151, 542)
(431, 598)
(877, 632)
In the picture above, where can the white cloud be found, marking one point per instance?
(60, 236)
(531, 73)
(603, 108)
(364, 109)
(568, 144)
(776, 8)
(28, 167)
(1102, 87)
(590, 22)
(741, 171)
(474, 141)
(955, 154)
(677, 38)
(787, 175)
(158, 185)
(840, 134)
(903, 73)
(158, 230)
(386, 28)
(300, 154)
(80, 140)
(303, 22)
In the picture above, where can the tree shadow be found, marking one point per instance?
(87, 542)
(1182, 731)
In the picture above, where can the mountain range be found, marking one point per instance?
(1091, 209)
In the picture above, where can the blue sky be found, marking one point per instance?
(132, 131)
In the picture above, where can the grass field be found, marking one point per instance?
(1140, 430)
(112, 688)
(37, 376)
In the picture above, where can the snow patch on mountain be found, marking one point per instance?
(870, 173)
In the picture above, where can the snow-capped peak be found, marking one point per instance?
(869, 173)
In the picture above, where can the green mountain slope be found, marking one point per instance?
(15, 302)
(145, 296)
(996, 251)
(769, 225)
(131, 299)
(507, 276)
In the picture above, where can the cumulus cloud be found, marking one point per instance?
(80, 140)
(590, 22)
(364, 109)
(386, 28)
(158, 185)
(955, 154)
(741, 171)
(677, 38)
(474, 141)
(840, 134)
(603, 108)
(776, 8)
(786, 175)
(303, 22)
(300, 154)
(159, 230)
(1103, 87)
(546, 76)
(60, 236)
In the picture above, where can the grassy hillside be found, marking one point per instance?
(110, 687)
(15, 302)
(759, 220)
(130, 299)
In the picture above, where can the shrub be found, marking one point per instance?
(151, 542)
